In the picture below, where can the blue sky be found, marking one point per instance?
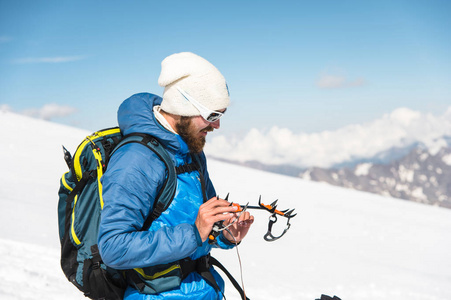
(308, 66)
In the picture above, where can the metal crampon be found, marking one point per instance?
(272, 208)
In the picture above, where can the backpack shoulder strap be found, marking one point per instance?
(167, 191)
(196, 161)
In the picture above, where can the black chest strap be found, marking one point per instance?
(186, 168)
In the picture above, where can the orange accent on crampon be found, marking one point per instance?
(237, 206)
(270, 208)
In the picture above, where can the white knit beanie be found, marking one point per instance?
(197, 77)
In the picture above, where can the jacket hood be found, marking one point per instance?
(135, 115)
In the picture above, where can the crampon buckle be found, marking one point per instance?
(272, 208)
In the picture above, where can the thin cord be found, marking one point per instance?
(239, 260)
(237, 216)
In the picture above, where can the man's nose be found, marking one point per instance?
(216, 124)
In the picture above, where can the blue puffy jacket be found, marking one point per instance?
(133, 179)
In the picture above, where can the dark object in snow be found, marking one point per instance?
(325, 297)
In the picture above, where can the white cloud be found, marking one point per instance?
(330, 82)
(5, 107)
(334, 82)
(50, 111)
(53, 60)
(400, 128)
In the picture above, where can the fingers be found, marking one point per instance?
(217, 207)
(216, 202)
(238, 230)
(246, 219)
(210, 212)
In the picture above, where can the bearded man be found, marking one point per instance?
(194, 99)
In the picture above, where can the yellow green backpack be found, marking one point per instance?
(80, 203)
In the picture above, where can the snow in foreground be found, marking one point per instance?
(346, 243)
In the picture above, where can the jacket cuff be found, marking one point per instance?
(225, 243)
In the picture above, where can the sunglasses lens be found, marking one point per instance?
(213, 117)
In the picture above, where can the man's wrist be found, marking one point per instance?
(228, 241)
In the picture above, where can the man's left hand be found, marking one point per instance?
(240, 228)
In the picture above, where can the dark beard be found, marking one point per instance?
(188, 134)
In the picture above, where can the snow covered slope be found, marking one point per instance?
(348, 243)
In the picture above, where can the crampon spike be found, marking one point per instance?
(289, 214)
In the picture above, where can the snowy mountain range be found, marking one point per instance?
(418, 176)
(416, 173)
(356, 245)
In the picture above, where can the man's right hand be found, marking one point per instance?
(210, 212)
